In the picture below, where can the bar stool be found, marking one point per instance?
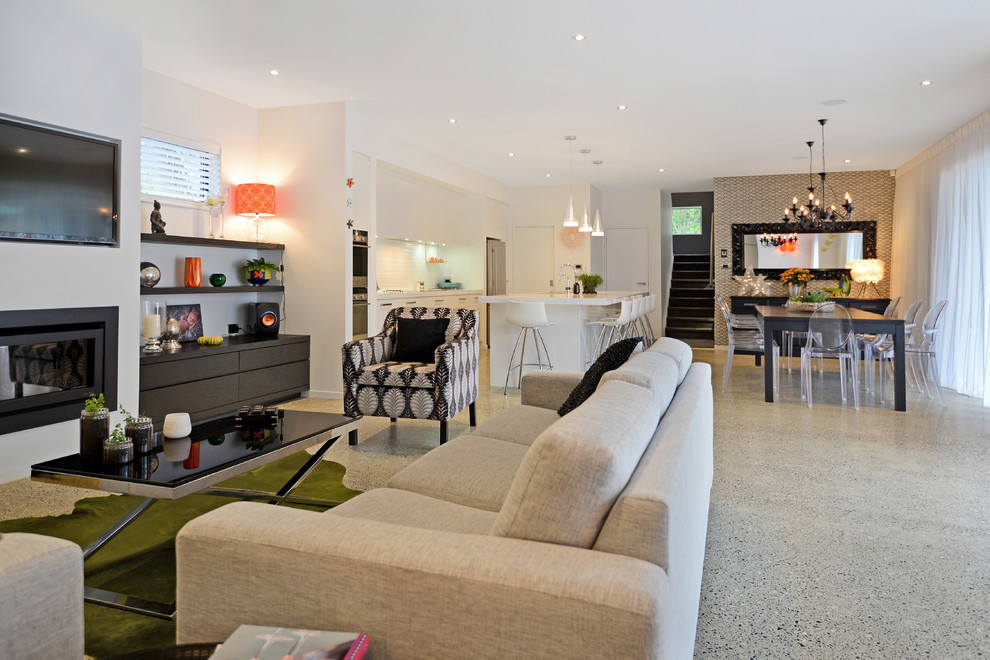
(619, 323)
(528, 317)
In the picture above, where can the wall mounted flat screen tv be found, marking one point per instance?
(58, 185)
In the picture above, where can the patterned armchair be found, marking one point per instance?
(376, 386)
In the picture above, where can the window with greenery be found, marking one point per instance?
(176, 171)
(687, 220)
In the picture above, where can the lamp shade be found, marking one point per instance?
(867, 271)
(256, 199)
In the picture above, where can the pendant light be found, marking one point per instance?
(597, 230)
(569, 221)
(585, 224)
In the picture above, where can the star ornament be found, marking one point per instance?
(350, 183)
(752, 284)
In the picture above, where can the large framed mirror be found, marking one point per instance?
(823, 252)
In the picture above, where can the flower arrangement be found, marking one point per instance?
(798, 276)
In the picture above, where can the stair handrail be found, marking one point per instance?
(711, 253)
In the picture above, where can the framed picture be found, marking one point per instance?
(190, 320)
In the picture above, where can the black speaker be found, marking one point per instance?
(264, 318)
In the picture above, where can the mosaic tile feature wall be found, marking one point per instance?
(749, 199)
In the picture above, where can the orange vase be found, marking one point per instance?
(194, 271)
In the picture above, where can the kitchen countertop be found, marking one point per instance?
(428, 292)
(563, 298)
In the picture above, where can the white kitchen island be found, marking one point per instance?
(570, 340)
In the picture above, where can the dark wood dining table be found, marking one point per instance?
(776, 319)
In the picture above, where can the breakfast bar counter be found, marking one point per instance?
(570, 340)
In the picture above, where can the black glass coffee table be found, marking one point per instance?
(214, 452)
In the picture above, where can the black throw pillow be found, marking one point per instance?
(417, 339)
(613, 358)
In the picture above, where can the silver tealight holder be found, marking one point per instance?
(170, 338)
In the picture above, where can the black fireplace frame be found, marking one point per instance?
(41, 325)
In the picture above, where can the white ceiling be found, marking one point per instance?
(713, 88)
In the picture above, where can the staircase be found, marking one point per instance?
(691, 308)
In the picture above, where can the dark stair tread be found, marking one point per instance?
(683, 333)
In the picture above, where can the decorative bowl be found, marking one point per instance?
(797, 306)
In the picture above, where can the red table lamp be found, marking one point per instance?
(256, 201)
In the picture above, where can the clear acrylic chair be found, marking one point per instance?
(740, 321)
(750, 339)
(830, 335)
(880, 348)
(922, 353)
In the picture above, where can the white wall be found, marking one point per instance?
(303, 152)
(53, 74)
(547, 205)
(636, 209)
(174, 109)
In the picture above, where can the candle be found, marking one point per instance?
(152, 326)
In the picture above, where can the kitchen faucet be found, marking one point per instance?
(560, 273)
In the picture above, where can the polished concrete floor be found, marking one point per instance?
(833, 533)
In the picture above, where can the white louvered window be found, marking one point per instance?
(176, 171)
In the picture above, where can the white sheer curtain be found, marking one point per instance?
(942, 249)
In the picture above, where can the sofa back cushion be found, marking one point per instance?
(661, 515)
(656, 372)
(678, 351)
(575, 469)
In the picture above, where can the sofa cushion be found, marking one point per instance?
(471, 470)
(402, 507)
(518, 424)
(654, 371)
(417, 339)
(678, 351)
(613, 358)
(575, 469)
(399, 374)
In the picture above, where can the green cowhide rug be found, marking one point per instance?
(140, 561)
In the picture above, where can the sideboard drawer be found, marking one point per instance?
(292, 376)
(259, 358)
(189, 397)
(163, 374)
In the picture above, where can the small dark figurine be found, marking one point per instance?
(157, 224)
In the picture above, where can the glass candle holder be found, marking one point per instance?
(154, 316)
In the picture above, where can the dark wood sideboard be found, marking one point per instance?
(209, 381)
(745, 304)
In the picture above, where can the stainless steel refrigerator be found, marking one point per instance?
(495, 279)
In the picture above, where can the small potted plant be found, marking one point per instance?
(810, 302)
(118, 448)
(140, 430)
(589, 283)
(796, 279)
(94, 429)
(259, 270)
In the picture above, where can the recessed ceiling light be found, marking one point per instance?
(579, 37)
(548, 175)
(848, 160)
(274, 72)
(452, 120)
(22, 150)
(926, 83)
(512, 153)
(661, 170)
(622, 107)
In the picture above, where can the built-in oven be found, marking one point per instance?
(359, 324)
(360, 250)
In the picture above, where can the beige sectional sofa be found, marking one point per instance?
(534, 536)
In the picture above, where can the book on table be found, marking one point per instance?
(271, 643)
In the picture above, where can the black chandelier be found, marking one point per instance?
(816, 215)
(776, 240)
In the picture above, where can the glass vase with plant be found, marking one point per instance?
(589, 283)
(118, 448)
(94, 428)
(140, 430)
